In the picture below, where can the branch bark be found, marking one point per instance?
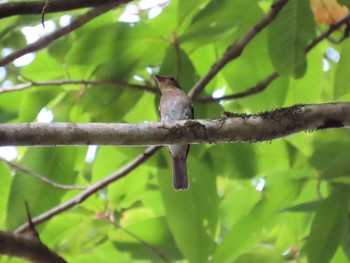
(236, 127)
(27, 247)
(35, 7)
(233, 127)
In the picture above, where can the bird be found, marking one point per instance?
(175, 105)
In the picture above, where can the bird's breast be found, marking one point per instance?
(174, 109)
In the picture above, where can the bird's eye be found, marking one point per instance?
(172, 79)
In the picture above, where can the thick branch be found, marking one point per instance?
(231, 128)
(48, 39)
(27, 247)
(236, 49)
(35, 7)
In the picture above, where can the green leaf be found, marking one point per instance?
(58, 49)
(119, 43)
(187, 9)
(280, 190)
(34, 101)
(154, 232)
(344, 2)
(192, 215)
(43, 67)
(14, 40)
(303, 90)
(288, 36)
(243, 197)
(250, 68)
(331, 160)
(304, 208)
(341, 78)
(328, 226)
(6, 180)
(177, 63)
(57, 164)
(260, 255)
(221, 20)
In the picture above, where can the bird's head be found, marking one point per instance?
(166, 82)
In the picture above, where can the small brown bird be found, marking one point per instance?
(175, 105)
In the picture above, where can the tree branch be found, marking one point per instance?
(262, 85)
(236, 49)
(35, 7)
(109, 83)
(48, 39)
(27, 247)
(233, 127)
(92, 189)
(42, 178)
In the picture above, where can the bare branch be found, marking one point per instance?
(327, 33)
(42, 178)
(35, 7)
(46, 5)
(92, 189)
(27, 247)
(233, 127)
(48, 39)
(236, 49)
(254, 90)
(108, 83)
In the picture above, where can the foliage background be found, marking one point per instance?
(282, 201)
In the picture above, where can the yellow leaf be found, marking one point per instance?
(328, 11)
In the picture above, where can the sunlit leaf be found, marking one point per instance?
(289, 35)
(328, 226)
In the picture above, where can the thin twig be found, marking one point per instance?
(42, 178)
(109, 83)
(327, 33)
(235, 50)
(48, 39)
(111, 219)
(46, 5)
(144, 243)
(31, 229)
(92, 189)
(256, 89)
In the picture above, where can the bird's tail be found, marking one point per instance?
(180, 179)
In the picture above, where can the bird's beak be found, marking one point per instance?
(158, 78)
